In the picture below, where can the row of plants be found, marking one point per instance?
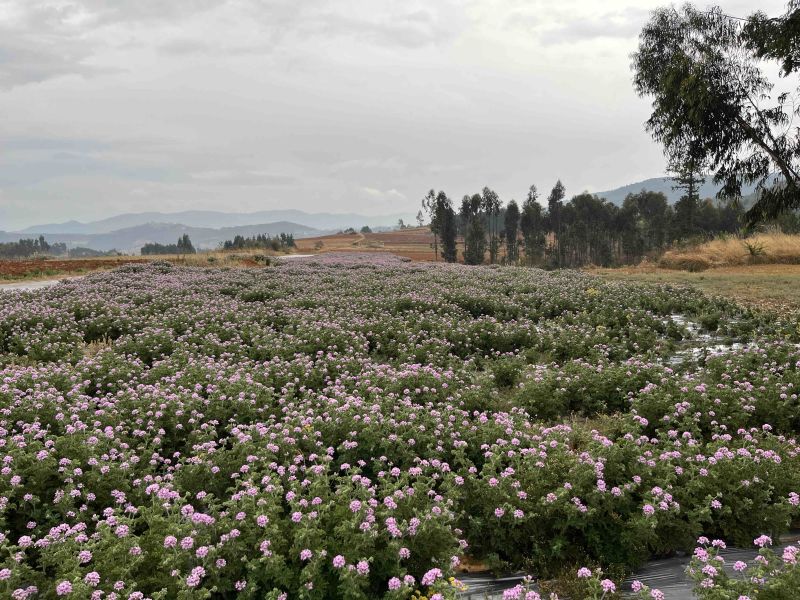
(357, 428)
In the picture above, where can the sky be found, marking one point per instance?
(112, 106)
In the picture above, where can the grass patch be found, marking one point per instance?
(762, 248)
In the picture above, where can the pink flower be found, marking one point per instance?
(431, 576)
(64, 588)
(763, 541)
(196, 576)
(584, 573)
(306, 554)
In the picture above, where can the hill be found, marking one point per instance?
(131, 239)
(216, 219)
(665, 186)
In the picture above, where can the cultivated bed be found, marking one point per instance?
(355, 427)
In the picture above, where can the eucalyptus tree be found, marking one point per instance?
(446, 219)
(555, 207)
(491, 207)
(473, 228)
(704, 71)
(429, 206)
(532, 225)
(511, 232)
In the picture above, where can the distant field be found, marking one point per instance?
(49, 268)
(14, 270)
(415, 243)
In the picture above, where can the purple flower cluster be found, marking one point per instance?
(360, 424)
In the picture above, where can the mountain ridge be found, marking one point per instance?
(664, 185)
(131, 239)
(216, 219)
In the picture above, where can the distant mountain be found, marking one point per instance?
(216, 219)
(663, 185)
(131, 239)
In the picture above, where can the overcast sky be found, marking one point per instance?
(110, 106)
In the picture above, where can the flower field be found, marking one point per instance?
(355, 427)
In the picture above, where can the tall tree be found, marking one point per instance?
(464, 218)
(554, 208)
(703, 71)
(532, 226)
(446, 217)
(429, 206)
(687, 168)
(511, 232)
(643, 224)
(491, 206)
(476, 248)
(474, 229)
(185, 245)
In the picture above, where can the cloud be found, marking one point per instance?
(390, 197)
(564, 27)
(323, 105)
(409, 30)
(42, 40)
(241, 178)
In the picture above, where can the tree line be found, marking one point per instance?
(26, 248)
(262, 241)
(183, 246)
(562, 234)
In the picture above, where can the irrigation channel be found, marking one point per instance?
(668, 575)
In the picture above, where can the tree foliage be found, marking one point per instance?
(183, 246)
(713, 105)
(511, 232)
(260, 241)
(25, 248)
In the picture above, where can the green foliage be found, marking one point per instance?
(475, 241)
(183, 246)
(713, 104)
(25, 248)
(263, 241)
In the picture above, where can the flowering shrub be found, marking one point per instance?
(351, 428)
(770, 575)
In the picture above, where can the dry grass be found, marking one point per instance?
(773, 287)
(763, 248)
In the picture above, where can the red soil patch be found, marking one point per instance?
(17, 269)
